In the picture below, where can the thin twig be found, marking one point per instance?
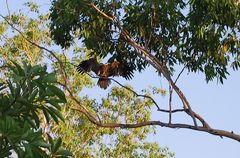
(170, 103)
(135, 93)
(173, 111)
(8, 10)
(180, 74)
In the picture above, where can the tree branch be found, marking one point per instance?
(216, 132)
(101, 12)
(170, 103)
(180, 74)
(8, 10)
(204, 128)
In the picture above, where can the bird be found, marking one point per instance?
(104, 71)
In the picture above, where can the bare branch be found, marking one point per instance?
(162, 69)
(170, 103)
(216, 132)
(8, 10)
(180, 74)
(173, 111)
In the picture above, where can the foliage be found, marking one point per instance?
(29, 97)
(36, 119)
(203, 35)
(14, 47)
(121, 106)
(27, 94)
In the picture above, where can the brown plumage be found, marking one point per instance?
(105, 70)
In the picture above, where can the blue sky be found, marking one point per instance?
(218, 104)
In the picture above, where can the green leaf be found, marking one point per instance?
(46, 114)
(58, 92)
(57, 145)
(17, 90)
(29, 151)
(5, 152)
(56, 112)
(41, 143)
(50, 139)
(54, 103)
(63, 152)
(36, 69)
(53, 115)
(33, 95)
(11, 88)
(25, 102)
(2, 86)
(30, 121)
(35, 117)
(20, 70)
(50, 78)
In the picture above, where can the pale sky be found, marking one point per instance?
(218, 104)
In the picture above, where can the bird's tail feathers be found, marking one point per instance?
(104, 82)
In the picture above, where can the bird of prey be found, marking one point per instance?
(104, 71)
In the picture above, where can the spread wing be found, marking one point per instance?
(125, 71)
(119, 69)
(88, 65)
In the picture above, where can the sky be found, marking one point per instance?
(218, 104)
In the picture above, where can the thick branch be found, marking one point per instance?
(216, 132)
(162, 69)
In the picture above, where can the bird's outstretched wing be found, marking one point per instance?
(126, 71)
(88, 65)
(105, 70)
(119, 69)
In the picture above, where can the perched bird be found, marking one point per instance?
(105, 70)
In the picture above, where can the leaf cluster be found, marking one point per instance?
(30, 102)
(121, 106)
(25, 97)
(203, 35)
